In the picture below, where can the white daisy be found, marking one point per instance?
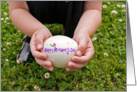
(93, 39)
(105, 54)
(2, 18)
(6, 60)
(6, 18)
(5, 13)
(118, 5)
(19, 61)
(37, 88)
(114, 12)
(46, 75)
(8, 43)
(108, 2)
(120, 20)
(104, 6)
(123, 10)
(4, 49)
(5, 21)
(123, 6)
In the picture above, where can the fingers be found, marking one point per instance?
(36, 44)
(85, 58)
(39, 39)
(72, 66)
(89, 52)
(45, 63)
(40, 36)
(80, 61)
(75, 65)
(82, 46)
(49, 68)
(38, 54)
(34, 51)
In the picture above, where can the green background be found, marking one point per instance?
(102, 73)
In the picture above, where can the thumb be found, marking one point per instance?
(82, 47)
(39, 40)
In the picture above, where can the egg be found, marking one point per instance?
(60, 50)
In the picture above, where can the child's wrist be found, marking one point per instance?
(83, 31)
(45, 30)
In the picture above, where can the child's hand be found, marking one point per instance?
(84, 52)
(36, 44)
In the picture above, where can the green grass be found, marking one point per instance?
(102, 73)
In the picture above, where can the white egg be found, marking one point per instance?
(60, 50)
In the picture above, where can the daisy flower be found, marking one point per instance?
(5, 13)
(37, 88)
(105, 54)
(118, 5)
(6, 60)
(2, 18)
(19, 61)
(108, 2)
(120, 20)
(93, 39)
(104, 6)
(8, 43)
(46, 75)
(123, 6)
(6, 18)
(114, 12)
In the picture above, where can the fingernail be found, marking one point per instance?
(79, 53)
(70, 64)
(39, 46)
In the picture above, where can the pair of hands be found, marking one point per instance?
(83, 54)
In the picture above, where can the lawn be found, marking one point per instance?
(106, 71)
